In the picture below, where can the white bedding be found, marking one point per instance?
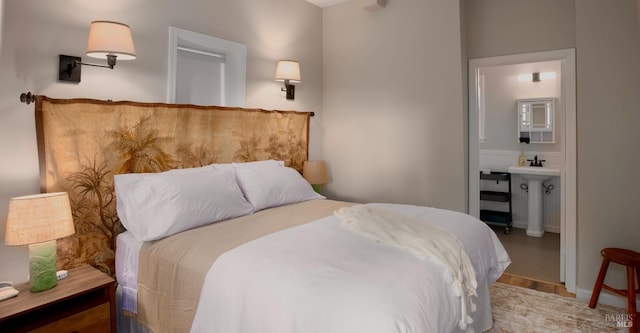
(322, 277)
(424, 240)
(127, 260)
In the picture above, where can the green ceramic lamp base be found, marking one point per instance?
(42, 266)
(317, 188)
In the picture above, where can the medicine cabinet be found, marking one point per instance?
(536, 120)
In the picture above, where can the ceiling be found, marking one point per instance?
(327, 3)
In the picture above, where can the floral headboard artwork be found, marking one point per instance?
(83, 143)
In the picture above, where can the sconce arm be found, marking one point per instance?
(111, 62)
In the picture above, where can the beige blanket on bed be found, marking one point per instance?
(424, 240)
(172, 270)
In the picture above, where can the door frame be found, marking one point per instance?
(568, 177)
(235, 62)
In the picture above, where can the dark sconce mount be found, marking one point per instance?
(108, 40)
(67, 68)
(290, 90)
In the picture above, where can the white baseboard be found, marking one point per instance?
(523, 225)
(605, 298)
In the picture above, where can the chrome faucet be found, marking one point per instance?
(535, 162)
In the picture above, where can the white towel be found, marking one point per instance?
(423, 240)
(6, 290)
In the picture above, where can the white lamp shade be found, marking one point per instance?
(106, 37)
(38, 218)
(315, 172)
(288, 70)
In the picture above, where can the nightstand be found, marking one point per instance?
(82, 302)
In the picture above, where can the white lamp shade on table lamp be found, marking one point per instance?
(315, 172)
(38, 220)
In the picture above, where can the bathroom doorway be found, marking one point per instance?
(566, 156)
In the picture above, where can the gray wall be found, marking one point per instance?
(35, 32)
(608, 69)
(607, 41)
(393, 122)
(503, 27)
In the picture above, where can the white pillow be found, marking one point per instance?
(273, 185)
(254, 164)
(157, 205)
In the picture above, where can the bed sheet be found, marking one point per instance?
(172, 270)
(321, 277)
(488, 267)
(127, 261)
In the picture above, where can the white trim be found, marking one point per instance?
(210, 54)
(481, 109)
(605, 297)
(568, 198)
(235, 55)
(523, 225)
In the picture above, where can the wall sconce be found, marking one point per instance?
(38, 221)
(536, 77)
(289, 72)
(111, 40)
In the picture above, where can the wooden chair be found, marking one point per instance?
(628, 258)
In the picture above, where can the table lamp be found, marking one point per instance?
(38, 220)
(315, 172)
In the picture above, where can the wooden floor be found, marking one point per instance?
(529, 283)
(535, 261)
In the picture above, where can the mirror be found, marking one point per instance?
(535, 120)
(539, 115)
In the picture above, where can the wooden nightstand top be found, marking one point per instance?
(80, 280)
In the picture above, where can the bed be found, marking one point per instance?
(231, 245)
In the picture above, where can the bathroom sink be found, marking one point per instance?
(534, 177)
(536, 173)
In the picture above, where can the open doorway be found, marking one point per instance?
(564, 157)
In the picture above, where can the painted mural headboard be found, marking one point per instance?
(83, 143)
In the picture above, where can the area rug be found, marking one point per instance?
(517, 309)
